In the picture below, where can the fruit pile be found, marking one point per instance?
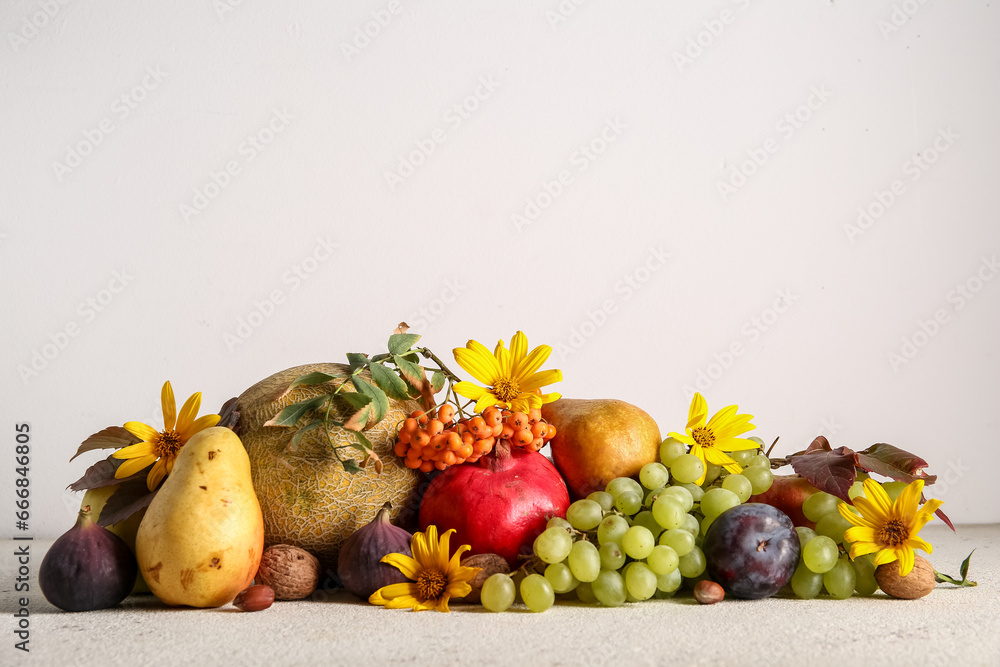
(434, 441)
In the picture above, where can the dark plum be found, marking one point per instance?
(89, 567)
(751, 550)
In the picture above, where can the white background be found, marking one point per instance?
(440, 246)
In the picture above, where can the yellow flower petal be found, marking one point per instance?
(720, 418)
(188, 411)
(199, 424)
(387, 593)
(907, 502)
(860, 534)
(169, 406)
(444, 550)
(405, 564)
(484, 356)
(502, 355)
(518, 349)
(924, 514)
(862, 548)
(132, 466)
(885, 556)
(140, 430)
(459, 589)
(906, 559)
(539, 380)
(469, 390)
(737, 444)
(918, 543)
(869, 510)
(156, 475)
(134, 451)
(699, 451)
(485, 401)
(454, 565)
(533, 361)
(845, 511)
(551, 397)
(476, 365)
(716, 456)
(878, 498)
(698, 412)
(420, 546)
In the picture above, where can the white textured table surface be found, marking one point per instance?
(951, 626)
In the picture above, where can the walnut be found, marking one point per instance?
(918, 583)
(292, 572)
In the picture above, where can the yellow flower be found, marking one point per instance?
(888, 527)
(709, 442)
(161, 447)
(511, 374)
(434, 578)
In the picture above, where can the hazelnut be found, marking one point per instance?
(489, 564)
(918, 583)
(255, 598)
(708, 592)
(292, 572)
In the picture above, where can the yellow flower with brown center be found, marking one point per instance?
(161, 447)
(512, 375)
(710, 441)
(434, 578)
(888, 527)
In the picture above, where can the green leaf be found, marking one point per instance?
(411, 372)
(357, 361)
(400, 343)
(290, 414)
(359, 419)
(389, 382)
(437, 381)
(297, 438)
(364, 444)
(355, 400)
(351, 466)
(380, 402)
(315, 377)
(964, 571)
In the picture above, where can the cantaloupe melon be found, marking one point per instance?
(307, 498)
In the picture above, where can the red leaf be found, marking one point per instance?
(944, 517)
(819, 444)
(831, 471)
(113, 437)
(894, 462)
(102, 473)
(126, 501)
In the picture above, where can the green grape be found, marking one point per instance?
(609, 588)
(651, 497)
(585, 514)
(864, 573)
(760, 461)
(537, 593)
(717, 501)
(585, 561)
(604, 499)
(754, 438)
(628, 502)
(561, 578)
(712, 473)
(697, 493)
(585, 593)
(839, 581)
(654, 475)
(706, 523)
(760, 478)
(806, 584)
(805, 534)
(678, 539)
(739, 485)
(498, 592)
(619, 485)
(833, 526)
(670, 449)
(668, 583)
(820, 554)
(612, 556)
(687, 468)
(638, 542)
(692, 564)
(857, 489)
(893, 489)
(559, 522)
(681, 496)
(553, 545)
(640, 581)
(743, 456)
(668, 512)
(663, 559)
(646, 519)
(818, 505)
(691, 524)
(612, 529)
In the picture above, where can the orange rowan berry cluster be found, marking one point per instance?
(430, 442)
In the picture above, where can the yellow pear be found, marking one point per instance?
(203, 535)
(598, 440)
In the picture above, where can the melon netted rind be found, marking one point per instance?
(307, 498)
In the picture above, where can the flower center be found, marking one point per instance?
(703, 436)
(431, 584)
(506, 389)
(167, 444)
(893, 533)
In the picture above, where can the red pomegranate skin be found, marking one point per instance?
(497, 505)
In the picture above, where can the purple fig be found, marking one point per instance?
(359, 563)
(89, 567)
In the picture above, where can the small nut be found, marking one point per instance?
(918, 583)
(489, 564)
(292, 572)
(255, 598)
(708, 592)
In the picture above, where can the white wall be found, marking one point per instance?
(883, 95)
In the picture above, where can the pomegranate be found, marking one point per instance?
(787, 493)
(499, 504)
